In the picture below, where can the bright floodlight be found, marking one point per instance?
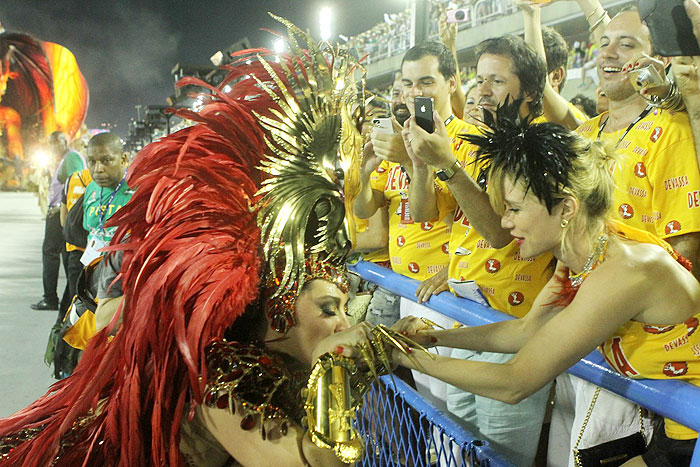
(325, 22)
(41, 159)
(279, 46)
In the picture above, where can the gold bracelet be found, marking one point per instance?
(673, 100)
(330, 410)
(595, 10)
(599, 22)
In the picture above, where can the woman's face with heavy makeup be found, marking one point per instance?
(321, 310)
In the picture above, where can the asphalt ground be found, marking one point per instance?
(23, 332)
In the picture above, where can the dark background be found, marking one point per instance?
(127, 48)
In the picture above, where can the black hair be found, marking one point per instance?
(527, 66)
(447, 65)
(556, 50)
(588, 104)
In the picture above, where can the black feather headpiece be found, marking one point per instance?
(541, 154)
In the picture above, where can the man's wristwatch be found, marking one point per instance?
(448, 173)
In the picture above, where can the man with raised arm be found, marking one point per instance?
(480, 249)
(418, 250)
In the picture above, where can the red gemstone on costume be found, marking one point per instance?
(674, 369)
(265, 361)
(492, 266)
(248, 422)
(232, 375)
(516, 298)
(626, 211)
(673, 227)
(222, 402)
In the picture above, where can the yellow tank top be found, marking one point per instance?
(644, 350)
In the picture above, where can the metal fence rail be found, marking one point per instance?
(676, 400)
(400, 428)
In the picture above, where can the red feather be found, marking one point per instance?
(191, 266)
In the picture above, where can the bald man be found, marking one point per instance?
(108, 191)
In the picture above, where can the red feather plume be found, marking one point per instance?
(191, 266)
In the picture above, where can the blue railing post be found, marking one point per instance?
(676, 400)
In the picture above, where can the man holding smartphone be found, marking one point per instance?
(480, 250)
(418, 250)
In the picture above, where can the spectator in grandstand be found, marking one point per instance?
(398, 104)
(472, 112)
(54, 247)
(554, 190)
(418, 250)
(585, 104)
(480, 250)
(589, 63)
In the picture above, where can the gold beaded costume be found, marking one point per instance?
(229, 216)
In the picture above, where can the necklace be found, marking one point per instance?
(596, 257)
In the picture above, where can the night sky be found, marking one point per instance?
(127, 48)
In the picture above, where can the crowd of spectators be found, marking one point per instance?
(393, 35)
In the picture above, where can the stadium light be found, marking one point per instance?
(41, 159)
(324, 17)
(278, 46)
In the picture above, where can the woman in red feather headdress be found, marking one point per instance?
(233, 251)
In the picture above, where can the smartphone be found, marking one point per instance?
(460, 15)
(670, 28)
(382, 125)
(424, 113)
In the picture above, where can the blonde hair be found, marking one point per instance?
(590, 183)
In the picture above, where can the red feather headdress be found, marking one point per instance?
(192, 237)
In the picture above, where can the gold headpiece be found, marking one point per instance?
(314, 146)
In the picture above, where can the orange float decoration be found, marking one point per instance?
(41, 90)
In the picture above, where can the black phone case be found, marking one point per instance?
(671, 30)
(424, 113)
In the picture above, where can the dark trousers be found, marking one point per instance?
(73, 269)
(51, 251)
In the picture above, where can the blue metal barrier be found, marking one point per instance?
(400, 428)
(676, 400)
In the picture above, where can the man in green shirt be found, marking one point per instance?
(107, 193)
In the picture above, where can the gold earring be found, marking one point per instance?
(564, 223)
